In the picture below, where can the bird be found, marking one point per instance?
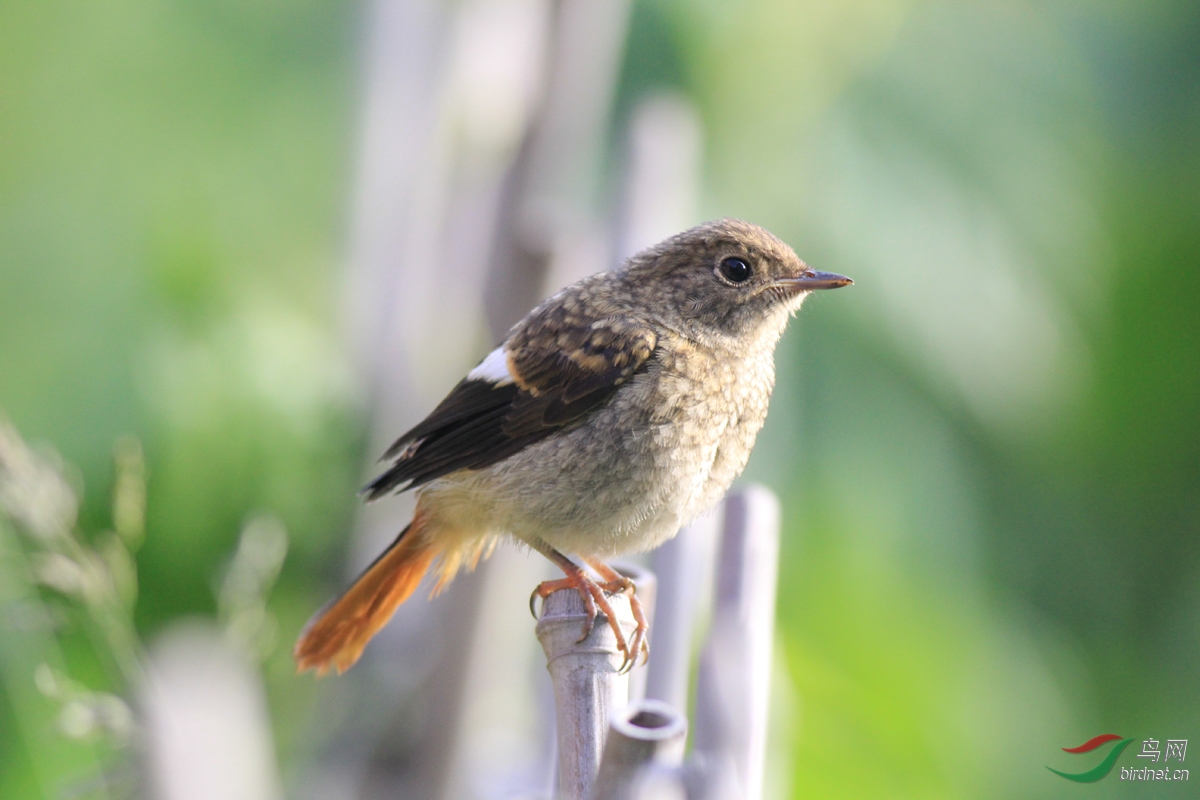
(614, 413)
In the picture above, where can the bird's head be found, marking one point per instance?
(727, 278)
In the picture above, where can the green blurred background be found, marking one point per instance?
(988, 449)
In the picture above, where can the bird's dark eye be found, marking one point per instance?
(735, 270)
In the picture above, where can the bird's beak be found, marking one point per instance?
(812, 280)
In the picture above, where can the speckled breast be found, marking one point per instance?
(632, 472)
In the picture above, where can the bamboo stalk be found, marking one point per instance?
(587, 684)
(588, 687)
(645, 742)
(735, 666)
(683, 567)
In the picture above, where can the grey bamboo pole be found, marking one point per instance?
(645, 744)
(550, 231)
(588, 687)
(735, 665)
(683, 567)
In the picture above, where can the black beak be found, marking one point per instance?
(813, 280)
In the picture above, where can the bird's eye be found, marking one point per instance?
(735, 270)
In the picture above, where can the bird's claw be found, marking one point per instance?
(595, 601)
(639, 646)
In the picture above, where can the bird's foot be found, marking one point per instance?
(595, 601)
(640, 646)
(616, 583)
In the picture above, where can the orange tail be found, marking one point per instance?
(338, 632)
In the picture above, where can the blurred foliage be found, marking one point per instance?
(55, 581)
(988, 449)
(171, 193)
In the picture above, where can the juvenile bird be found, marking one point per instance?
(612, 415)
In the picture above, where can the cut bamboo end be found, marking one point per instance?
(645, 741)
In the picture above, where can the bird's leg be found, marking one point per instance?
(616, 582)
(591, 592)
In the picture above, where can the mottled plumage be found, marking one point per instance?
(613, 414)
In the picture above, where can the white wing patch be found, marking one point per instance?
(493, 369)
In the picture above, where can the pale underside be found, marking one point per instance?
(625, 479)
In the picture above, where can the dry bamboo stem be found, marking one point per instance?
(683, 567)
(735, 666)
(588, 688)
(587, 685)
(647, 735)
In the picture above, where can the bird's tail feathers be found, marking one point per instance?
(337, 634)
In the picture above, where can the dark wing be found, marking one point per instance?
(559, 368)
